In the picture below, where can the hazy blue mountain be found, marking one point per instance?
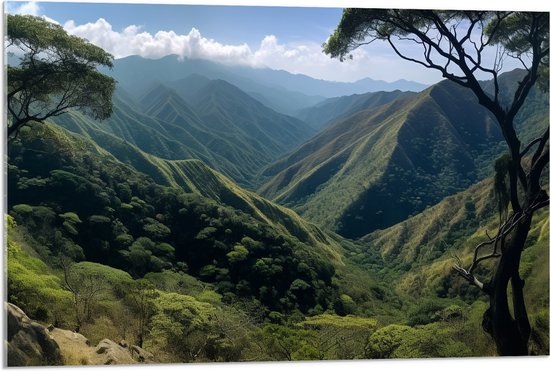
(137, 74)
(283, 91)
(311, 86)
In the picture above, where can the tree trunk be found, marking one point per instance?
(510, 333)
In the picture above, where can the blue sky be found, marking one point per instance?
(226, 24)
(288, 38)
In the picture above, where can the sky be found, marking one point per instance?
(288, 38)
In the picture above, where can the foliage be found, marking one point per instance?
(180, 325)
(31, 284)
(336, 337)
(167, 229)
(56, 72)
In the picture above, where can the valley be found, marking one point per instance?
(225, 213)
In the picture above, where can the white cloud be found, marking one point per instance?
(28, 8)
(306, 57)
(130, 41)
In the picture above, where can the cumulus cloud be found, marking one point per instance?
(28, 8)
(130, 41)
(306, 57)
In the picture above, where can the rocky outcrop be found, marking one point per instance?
(140, 354)
(29, 343)
(113, 353)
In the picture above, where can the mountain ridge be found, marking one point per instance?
(435, 143)
(232, 131)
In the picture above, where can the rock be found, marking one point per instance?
(51, 327)
(140, 354)
(123, 343)
(113, 353)
(75, 348)
(29, 343)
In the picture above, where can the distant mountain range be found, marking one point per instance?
(378, 157)
(278, 89)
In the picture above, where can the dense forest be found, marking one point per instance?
(195, 220)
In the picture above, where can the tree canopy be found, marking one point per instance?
(56, 72)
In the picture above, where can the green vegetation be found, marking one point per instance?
(221, 126)
(56, 72)
(122, 230)
(91, 207)
(330, 110)
(351, 177)
(458, 58)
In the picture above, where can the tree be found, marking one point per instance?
(141, 298)
(85, 288)
(455, 43)
(56, 72)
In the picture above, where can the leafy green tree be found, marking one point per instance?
(336, 337)
(454, 43)
(141, 298)
(285, 343)
(180, 326)
(88, 282)
(56, 72)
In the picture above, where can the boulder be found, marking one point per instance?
(141, 355)
(29, 343)
(113, 354)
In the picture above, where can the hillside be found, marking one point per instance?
(224, 127)
(321, 114)
(418, 253)
(117, 212)
(382, 165)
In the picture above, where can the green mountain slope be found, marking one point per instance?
(79, 200)
(228, 129)
(321, 114)
(418, 253)
(380, 166)
(280, 90)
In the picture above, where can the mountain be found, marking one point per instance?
(222, 126)
(283, 91)
(311, 86)
(137, 75)
(321, 114)
(382, 165)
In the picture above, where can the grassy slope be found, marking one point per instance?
(329, 177)
(418, 254)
